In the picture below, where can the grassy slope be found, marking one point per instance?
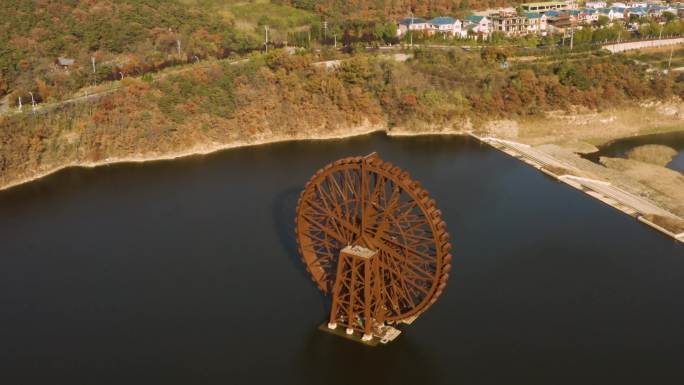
(251, 16)
(392, 9)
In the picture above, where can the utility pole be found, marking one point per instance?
(411, 30)
(572, 37)
(266, 38)
(33, 103)
(92, 62)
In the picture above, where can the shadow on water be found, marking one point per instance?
(328, 359)
(283, 211)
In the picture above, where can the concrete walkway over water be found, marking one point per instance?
(604, 191)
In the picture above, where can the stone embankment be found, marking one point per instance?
(631, 204)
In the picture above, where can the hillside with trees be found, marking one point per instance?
(280, 96)
(123, 36)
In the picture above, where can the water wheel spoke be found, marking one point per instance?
(403, 274)
(325, 229)
(348, 227)
(392, 254)
(409, 250)
(420, 239)
(325, 199)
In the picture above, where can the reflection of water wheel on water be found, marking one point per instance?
(372, 238)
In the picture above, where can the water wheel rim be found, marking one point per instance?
(321, 265)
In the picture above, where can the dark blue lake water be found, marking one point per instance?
(185, 272)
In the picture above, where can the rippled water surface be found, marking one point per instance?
(185, 272)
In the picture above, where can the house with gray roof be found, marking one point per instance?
(536, 22)
(479, 24)
(447, 25)
(412, 24)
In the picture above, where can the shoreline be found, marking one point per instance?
(208, 149)
(548, 164)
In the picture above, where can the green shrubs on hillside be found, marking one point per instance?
(207, 91)
(129, 36)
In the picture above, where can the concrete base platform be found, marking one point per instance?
(391, 334)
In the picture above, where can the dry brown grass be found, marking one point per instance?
(675, 225)
(558, 170)
(653, 153)
(597, 128)
(665, 186)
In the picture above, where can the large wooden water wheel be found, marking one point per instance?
(372, 238)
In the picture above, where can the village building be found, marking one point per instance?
(595, 4)
(608, 12)
(559, 22)
(412, 24)
(637, 5)
(478, 25)
(536, 23)
(545, 6)
(509, 23)
(619, 13)
(588, 16)
(447, 25)
(638, 12)
(656, 10)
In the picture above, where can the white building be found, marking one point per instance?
(447, 25)
(618, 13)
(595, 4)
(478, 24)
(536, 23)
(413, 24)
(637, 5)
(588, 16)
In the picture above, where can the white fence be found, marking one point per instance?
(621, 47)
